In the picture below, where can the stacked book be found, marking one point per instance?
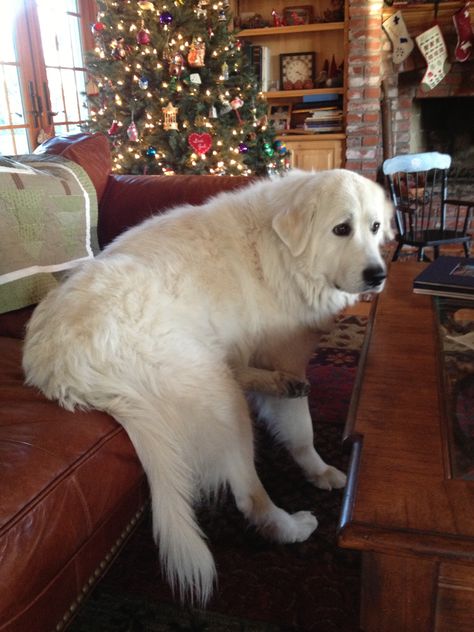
(324, 121)
(319, 113)
(447, 276)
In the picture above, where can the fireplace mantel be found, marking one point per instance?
(419, 17)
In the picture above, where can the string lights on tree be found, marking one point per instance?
(174, 92)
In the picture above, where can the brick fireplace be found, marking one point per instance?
(387, 112)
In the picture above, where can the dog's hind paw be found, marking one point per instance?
(331, 478)
(287, 528)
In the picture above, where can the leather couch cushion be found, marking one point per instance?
(131, 199)
(91, 151)
(63, 474)
(13, 324)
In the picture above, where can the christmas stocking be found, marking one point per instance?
(465, 43)
(396, 29)
(433, 48)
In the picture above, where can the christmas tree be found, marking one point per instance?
(170, 85)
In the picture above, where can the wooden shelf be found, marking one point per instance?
(286, 30)
(295, 134)
(286, 94)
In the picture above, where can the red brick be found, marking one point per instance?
(370, 141)
(354, 118)
(371, 117)
(372, 93)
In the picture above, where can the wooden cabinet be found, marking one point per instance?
(327, 39)
(315, 153)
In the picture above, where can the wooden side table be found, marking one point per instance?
(403, 508)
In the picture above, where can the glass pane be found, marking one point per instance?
(60, 34)
(6, 142)
(55, 92)
(75, 41)
(70, 95)
(12, 90)
(62, 130)
(7, 47)
(14, 141)
(21, 141)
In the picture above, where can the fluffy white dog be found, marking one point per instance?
(168, 327)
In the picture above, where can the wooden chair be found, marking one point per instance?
(425, 217)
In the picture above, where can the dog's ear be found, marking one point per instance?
(292, 227)
(388, 220)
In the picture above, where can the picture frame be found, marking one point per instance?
(297, 70)
(279, 116)
(297, 15)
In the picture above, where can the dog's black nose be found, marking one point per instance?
(374, 276)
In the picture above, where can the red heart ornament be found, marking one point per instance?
(201, 143)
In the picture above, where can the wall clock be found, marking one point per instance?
(297, 71)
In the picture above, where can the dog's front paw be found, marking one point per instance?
(331, 478)
(292, 387)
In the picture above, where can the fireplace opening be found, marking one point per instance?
(446, 125)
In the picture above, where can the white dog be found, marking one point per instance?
(178, 316)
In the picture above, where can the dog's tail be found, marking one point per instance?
(184, 555)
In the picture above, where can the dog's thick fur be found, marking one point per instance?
(177, 317)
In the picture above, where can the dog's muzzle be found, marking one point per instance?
(374, 276)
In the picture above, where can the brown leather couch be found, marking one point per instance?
(71, 487)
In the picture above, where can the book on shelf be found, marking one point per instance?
(259, 58)
(447, 276)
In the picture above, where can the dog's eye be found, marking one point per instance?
(375, 227)
(342, 230)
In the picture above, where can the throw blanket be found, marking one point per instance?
(48, 224)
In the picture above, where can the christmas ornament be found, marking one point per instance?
(176, 65)
(433, 49)
(268, 149)
(221, 16)
(132, 132)
(145, 5)
(201, 143)
(194, 78)
(465, 43)
(280, 147)
(243, 148)
(143, 83)
(197, 52)
(92, 89)
(225, 71)
(143, 37)
(235, 104)
(151, 151)
(396, 30)
(120, 49)
(277, 19)
(169, 113)
(98, 27)
(113, 129)
(212, 112)
(201, 10)
(226, 107)
(166, 18)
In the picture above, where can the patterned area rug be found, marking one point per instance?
(263, 587)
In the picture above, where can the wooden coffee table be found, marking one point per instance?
(403, 508)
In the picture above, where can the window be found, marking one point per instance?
(42, 75)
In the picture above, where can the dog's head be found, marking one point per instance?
(333, 223)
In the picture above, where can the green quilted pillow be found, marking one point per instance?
(48, 220)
